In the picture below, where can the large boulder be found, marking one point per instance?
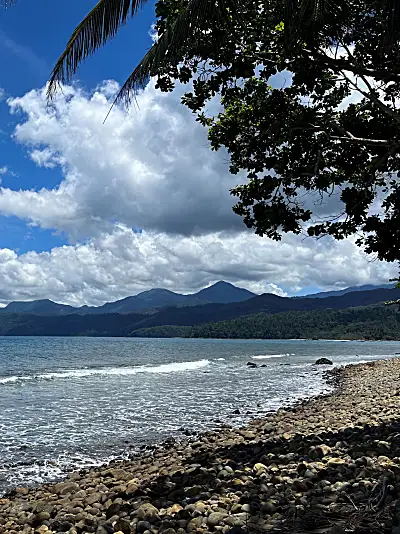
(323, 361)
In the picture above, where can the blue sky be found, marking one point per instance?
(32, 36)
(74, 191)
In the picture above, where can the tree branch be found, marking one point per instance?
(370, 96)
(339, 64)
(362, 140)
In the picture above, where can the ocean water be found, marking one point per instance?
(69, 403)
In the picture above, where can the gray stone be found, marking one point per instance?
(62, 488)
(113, 509)
(195, 523)
(216, 518)
(146, 511)
(42, 516)
(123, 525)
(193, 491)
(268, 508)
(94, 497)
(142, 526)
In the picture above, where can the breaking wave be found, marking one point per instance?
(268, 356)
(110, 371)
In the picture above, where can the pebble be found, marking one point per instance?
(319, 453)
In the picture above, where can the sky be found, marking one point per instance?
(92, 212)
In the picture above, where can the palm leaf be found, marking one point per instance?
(169, 47)
(98, 27)
(391, 19)
(302, 13)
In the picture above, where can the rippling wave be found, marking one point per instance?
(72, 403)
(268, 356)
(110, 371)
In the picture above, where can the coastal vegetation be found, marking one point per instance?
(365, 322)
(368, 323)
(327, 126)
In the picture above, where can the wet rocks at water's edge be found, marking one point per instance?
(313, 465)
(253, 365)
(323, 361)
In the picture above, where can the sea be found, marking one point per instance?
(74, 403)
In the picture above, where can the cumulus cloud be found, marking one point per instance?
(152, 170)
(112, 266)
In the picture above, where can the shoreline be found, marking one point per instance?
(316, 461)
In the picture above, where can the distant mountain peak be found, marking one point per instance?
(221, 283)
(224, 293)
(219, 293)
(155, 291)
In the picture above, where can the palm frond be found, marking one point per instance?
(302, 13)
(167, 50)
(391, 19)
(98, 27)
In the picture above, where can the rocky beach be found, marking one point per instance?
(330, 464)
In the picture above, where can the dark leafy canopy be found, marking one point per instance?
(305, 137)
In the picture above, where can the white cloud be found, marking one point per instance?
(153, 33)
(112, 266)
(151, 169)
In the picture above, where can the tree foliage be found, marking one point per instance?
(304, 139)
(370, 322)
(332, 131)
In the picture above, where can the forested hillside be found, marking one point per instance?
(371, 322)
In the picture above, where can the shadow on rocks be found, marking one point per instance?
(330, 482)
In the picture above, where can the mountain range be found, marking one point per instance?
(337, 293)
(147, 301)
(156, 299)
(192, 315)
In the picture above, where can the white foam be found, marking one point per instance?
(111, 371)
(268, 356)
(10, 379)
(220, 359)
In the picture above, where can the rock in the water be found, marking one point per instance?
(252, 365)
(323, 361)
